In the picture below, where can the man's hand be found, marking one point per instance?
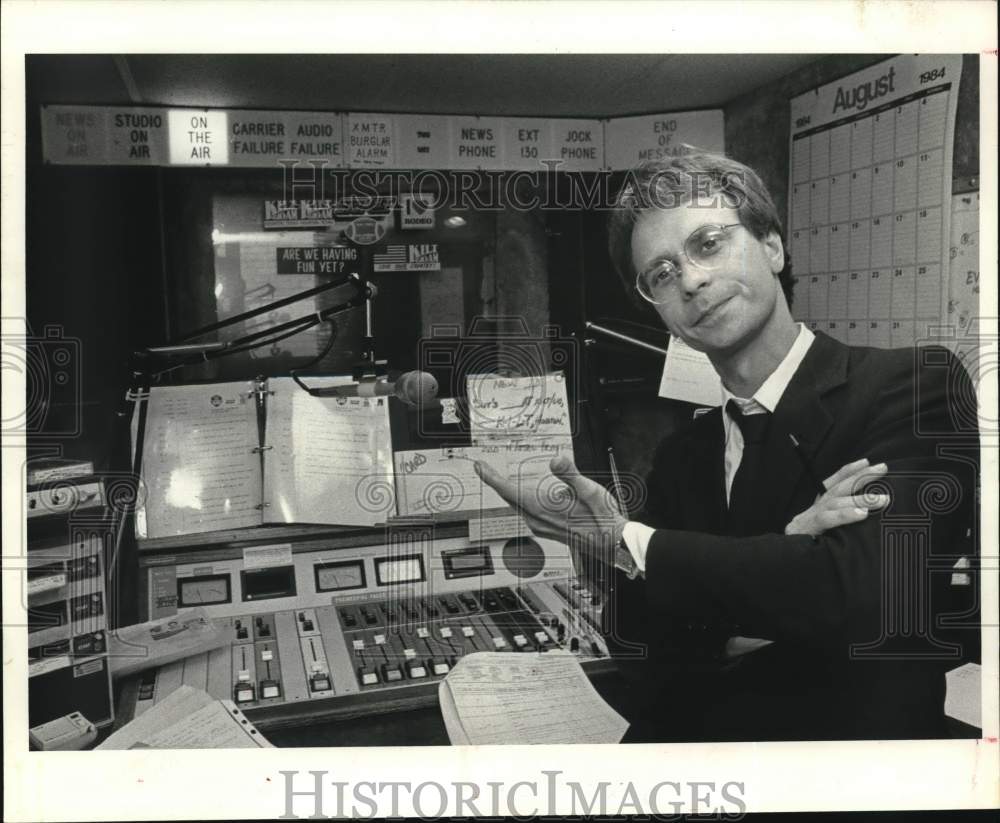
(843, 502)
(586, 517)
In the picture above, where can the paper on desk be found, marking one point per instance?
(688, 375)
(495, 698)
(963, 697)
(188, 718)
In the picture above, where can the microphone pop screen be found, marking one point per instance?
(416, 388)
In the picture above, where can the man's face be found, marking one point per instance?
(715, 310)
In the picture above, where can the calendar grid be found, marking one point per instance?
(866, 217)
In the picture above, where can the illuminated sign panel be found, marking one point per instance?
(198, 137)
(424, 141)
(137, 137)
(578, 145)
(634, 140)
(370, 141)
(151, 136)
(74, 135)
(262, 138)
(476, 143)
(527, 142)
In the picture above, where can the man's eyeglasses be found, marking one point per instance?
(707, 247)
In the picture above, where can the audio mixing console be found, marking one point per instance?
(321, 632)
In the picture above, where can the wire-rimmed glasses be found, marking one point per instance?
(707, 247)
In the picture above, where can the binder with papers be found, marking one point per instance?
(249, 453)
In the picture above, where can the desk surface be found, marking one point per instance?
(412, 727)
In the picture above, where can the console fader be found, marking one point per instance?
(332, 632)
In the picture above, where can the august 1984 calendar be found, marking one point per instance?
(870, 200)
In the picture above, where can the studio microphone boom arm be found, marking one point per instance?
(189, 352)
(617, 335)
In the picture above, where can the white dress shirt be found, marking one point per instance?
(765, 399)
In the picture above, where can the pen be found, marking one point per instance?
(817, 483)
(616, 481)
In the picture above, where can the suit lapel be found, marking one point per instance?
(803, 413)
(703, 492)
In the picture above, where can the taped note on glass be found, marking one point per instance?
(688, 375)
(518, 408)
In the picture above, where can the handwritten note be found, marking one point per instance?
(518, 408)
(688, 375)
(496, 698)
(444, 481)
(521, 423)
(331, 458)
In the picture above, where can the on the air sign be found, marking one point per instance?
(198, 138)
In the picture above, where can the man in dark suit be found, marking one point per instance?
(820, 508)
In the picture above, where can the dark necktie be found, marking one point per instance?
(744, 505)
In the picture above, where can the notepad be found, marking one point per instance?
(444, 481)
(495, 698)
(189, 718)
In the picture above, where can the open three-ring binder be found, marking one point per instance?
(248, 453)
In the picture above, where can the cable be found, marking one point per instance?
(306, 323)
(294, 373)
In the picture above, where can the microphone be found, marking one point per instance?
(414, 388)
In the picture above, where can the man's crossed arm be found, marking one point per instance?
(593, 523)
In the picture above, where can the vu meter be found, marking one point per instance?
(203, 591)
(335, 577)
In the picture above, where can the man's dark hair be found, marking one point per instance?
(710, 179)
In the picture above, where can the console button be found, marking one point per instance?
(320, 682)
(391, 674)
